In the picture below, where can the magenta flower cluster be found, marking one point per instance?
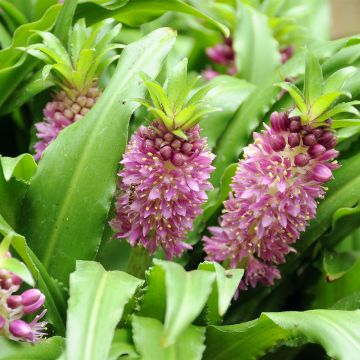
(274, 197)
(14, 306)
(221, 54)
(163, 185)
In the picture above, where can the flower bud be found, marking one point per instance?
(279, 121)
(295, 126)
(30, 296)
(20, 328)
(277, 142)
(176, 144)
(35, 306)
(14, 301)
(166, 152)
(321, 173)
(317, 132)
(316, 150)
(328, 140)
(309, 139)
(178, 159)
(168, 137)
(186, 148)
(294, 139)
(301, 160)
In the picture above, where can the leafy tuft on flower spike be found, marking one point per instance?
(166, 168)
(277, 183)
(75, 72)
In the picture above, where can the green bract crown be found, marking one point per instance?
(322, 100)
(76, 70)
(176, 104)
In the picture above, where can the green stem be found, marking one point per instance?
(139, 262)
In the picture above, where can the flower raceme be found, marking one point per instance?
(75, 72)
(14, 306)
(274, 196)
(166, 169)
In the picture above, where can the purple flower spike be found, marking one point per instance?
(274, 196)
(163, 189)
(30, 297)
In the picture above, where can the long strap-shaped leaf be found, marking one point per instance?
(97, 300)
(338, 332)
(69, 198)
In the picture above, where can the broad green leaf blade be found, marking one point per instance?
(227, 93)
(224, 289)
(122, 346)
(147, 335)
(68, 213)
(22, 167)
(257, 55)
(343, 123)
(48, 349)
(137, 12)
(54, 294)
(64, 21)
(322, 103)
(96, 304)
(177, 85)
(186, 295)
(336, 264)
(336, 81)
(313, 79)
(338, 332)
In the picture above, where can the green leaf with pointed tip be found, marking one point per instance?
(64, 22)
(96, 304)
(336, 81)
(186, 295)
(22, 167)
(179, 133)
(68, 213)
(136, 12)
(165, 119)
(48, 349)
(338, 124)
(162, 100)
(201, 112)
(336, 264)
(147, 335)
(313, 79)
(185, 115)
(296, 94)
(338, 332)
(224, 288)
(323, 103)
(177, 85)
(340, 108)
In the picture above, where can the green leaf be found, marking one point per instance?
(224, 288)
(338, 332)
(177, 85)
(313, 79)
(336, 264)
(338, 124)
(336, 81)
(136, 12)
(11, 10)
(22, 167)
(121, 346)
(55, 300)
(18, 268)
(14, 65)
(64, 21)
(296, 95)
(48, 349)
(68, 213)
(147, 335)
(96, 304)
(186, 295)
(322, 103)
(351, 302)
(227, 93)
(256, 51)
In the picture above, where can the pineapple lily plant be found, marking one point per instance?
(165, 212)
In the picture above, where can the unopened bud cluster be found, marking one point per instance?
(14, 306)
